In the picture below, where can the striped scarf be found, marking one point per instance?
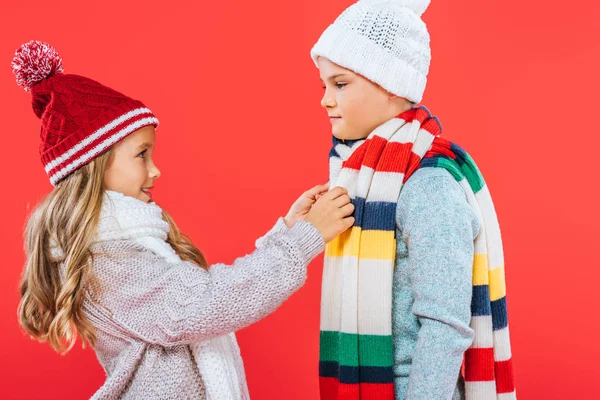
(356, 354)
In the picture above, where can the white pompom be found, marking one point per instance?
(35, 61)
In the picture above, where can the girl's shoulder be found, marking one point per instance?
(124, 260)
(116, 249)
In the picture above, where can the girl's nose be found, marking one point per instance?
(154, 172)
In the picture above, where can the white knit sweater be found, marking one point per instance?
(164, 326)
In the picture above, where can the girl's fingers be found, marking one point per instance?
(317, 190)
(336, 192)
(347, 210)
(342, 201)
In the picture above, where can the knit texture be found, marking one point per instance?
(126, 218)
(80, 118)
(356, 345)
(432, 289)
(385, 41)
(164, 326)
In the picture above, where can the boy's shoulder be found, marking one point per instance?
(432, 188)
(429, 173)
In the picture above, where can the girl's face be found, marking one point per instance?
(132, 170)
(355, 105)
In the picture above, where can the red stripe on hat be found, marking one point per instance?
(98, 141)
(479, 364)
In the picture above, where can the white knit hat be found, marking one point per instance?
(383, 40)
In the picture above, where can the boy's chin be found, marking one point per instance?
(346, 136)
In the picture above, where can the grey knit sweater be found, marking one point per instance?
(433, 279)
(149, 311)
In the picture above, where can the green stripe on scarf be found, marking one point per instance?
(347, 348)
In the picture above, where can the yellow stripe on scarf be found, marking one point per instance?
(494, 278)
(374, 244)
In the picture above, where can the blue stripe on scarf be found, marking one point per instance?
(480, 302)
(374, 215)
(353, 375)
(499, 314)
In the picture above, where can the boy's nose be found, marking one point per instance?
(327, 101)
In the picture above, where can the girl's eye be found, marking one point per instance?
(142, 154)
(340, 85)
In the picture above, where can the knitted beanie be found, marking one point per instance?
(383, 40)
(81, 119)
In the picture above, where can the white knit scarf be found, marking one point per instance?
(218, 359)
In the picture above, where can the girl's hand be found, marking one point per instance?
(302, 206)
(331, 213)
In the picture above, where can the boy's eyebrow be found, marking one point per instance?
(334, 76)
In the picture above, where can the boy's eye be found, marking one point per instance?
(142, 154)
(339, 85)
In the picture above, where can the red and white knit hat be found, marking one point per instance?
(81, 119)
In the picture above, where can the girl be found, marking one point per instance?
(418, 282)
(106, 263)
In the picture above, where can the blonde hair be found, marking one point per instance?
(51, 306)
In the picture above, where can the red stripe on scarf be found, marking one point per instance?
(505, 382)
(441, 146)
(355, 160)
(395, 155)
(373, 155)
(332, 389)
(479, 364)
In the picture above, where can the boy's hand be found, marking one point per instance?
(302, 206)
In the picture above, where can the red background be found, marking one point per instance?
(242, 135)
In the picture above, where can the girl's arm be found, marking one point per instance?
(173, 304)
(439, 228)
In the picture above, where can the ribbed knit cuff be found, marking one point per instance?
(309, 239)
(279, 227)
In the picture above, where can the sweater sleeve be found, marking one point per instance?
(173, 304)
(438, 228)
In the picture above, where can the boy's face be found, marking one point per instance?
(355, 105)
